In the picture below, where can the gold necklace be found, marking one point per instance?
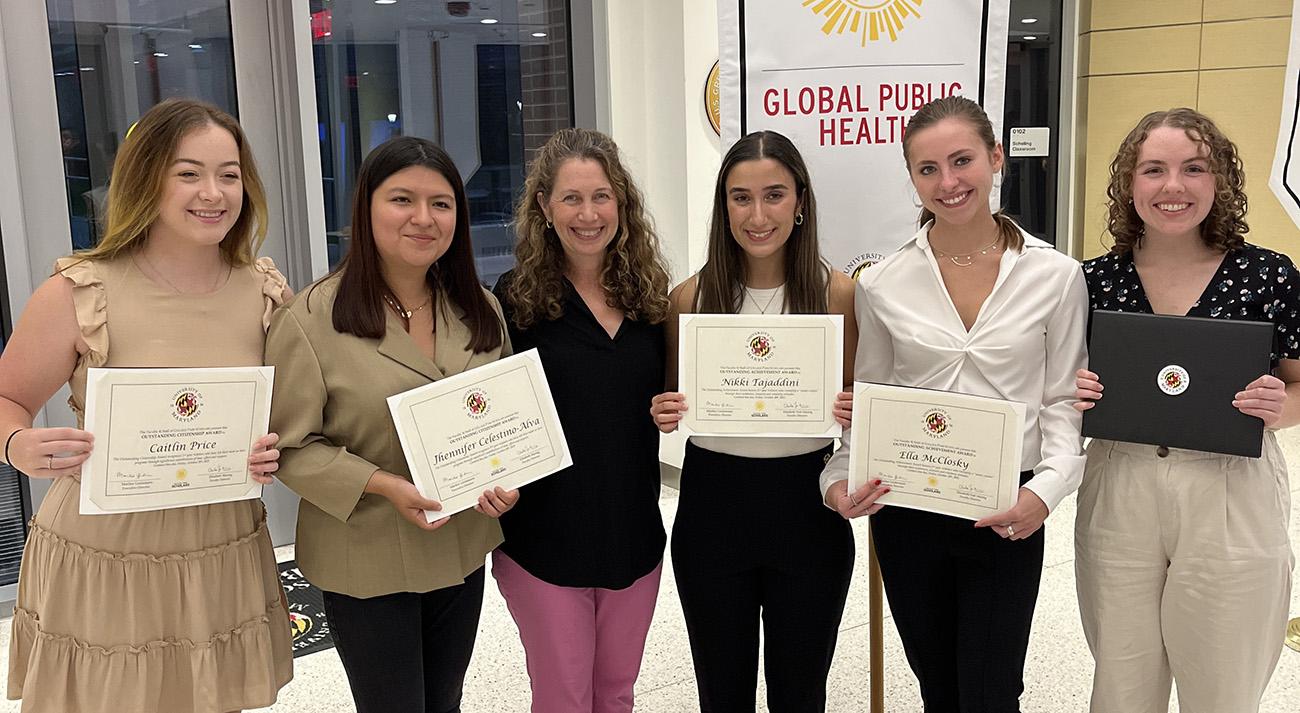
(967, 259)
(762, 309)
(403, 312)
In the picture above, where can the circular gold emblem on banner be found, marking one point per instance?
(713, 99)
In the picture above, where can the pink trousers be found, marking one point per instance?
(583, 645)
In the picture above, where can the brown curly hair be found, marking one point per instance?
(1225, 226)
(634, 278)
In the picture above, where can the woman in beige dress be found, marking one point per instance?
(176, 610)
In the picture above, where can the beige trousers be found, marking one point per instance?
(1183, 567)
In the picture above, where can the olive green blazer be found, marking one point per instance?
(335, 430)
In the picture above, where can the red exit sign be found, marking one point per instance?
(322, 24)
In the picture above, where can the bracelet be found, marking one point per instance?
(9, 440)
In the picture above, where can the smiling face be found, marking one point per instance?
(413, 217)
(583, 208)
(952, 170)
(203, 191)
(1173, 186)
(762, 202)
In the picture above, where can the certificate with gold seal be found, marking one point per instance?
(494, 425)
(761, 375)
(169, 438)
(947, 453)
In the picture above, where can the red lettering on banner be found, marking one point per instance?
(910, 97)
(850, 131)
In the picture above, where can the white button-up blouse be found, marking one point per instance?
(1025, 345)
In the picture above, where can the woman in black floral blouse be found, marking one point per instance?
(1182, 557)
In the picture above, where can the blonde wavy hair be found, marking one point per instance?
(1225, 227)
(634, 277)
(140, 171)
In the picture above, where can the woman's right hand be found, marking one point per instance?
(49, 452)
(666, 410)
(1087, 388)
(406, 499)
(860, 502)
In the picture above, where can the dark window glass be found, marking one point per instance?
(489, 83)
(112, 61)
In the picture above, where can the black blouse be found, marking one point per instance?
(597, 522)
(1252, 283)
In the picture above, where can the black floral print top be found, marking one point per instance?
(1252, 283)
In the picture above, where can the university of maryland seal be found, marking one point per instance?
(760, 346)
(186, 404)
(477, 403)
(937, 423)
(1173, 380)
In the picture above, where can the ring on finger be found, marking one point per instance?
(1011, 531)
(49, 462)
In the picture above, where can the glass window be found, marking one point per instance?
(112, 61)
(1033, 101)
(15, 502)
(489, 83)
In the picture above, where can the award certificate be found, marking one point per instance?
(947, 453)
(494, 425)
(761, 375)
(168, 438)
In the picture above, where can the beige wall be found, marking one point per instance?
(1226, 58)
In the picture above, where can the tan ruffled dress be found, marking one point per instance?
(170, 611)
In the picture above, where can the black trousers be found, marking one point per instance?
(752, 539)
(963, 600)
(407, 652)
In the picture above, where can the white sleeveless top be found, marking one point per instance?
(763, 301)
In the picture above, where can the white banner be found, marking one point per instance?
(1285, 179)
(842, 78)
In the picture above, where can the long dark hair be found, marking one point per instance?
(359, 304)
(720, 284)
(963, 109)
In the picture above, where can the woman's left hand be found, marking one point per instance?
(495, 502)
(264, 459)
(843, 408)
(1263, 398)
(1022, 520)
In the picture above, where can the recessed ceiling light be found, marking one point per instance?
(385, 2)
(392, 118)
(1029, 20)
(196, 47)
(160, 54)
(489, 21)
(539, 34)
(87, 69)
(1031, 37)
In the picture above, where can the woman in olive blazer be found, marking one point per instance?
(404, 308)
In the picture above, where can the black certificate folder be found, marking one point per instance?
(1170, 381)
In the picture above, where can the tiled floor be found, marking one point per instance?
(1058, 674)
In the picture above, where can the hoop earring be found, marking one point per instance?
(798, 219)
(548, 225)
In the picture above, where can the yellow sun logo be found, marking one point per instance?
(181, 474)
(759, 405)
(868, 18)
(496, 462)
(933, 481)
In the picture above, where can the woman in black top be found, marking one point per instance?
(1182, 557)
(581, 561)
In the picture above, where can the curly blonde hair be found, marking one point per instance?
(1225, 226)
(634, 278)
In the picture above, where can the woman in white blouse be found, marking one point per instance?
(971, 304)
